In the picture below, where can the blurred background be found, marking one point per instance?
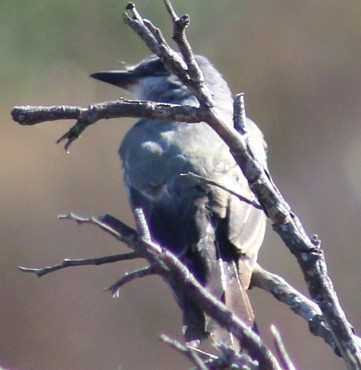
(299, 64)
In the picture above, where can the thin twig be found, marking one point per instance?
(109, 224)
(187, 351)
(229, 359)
(170, 10)
(225, 188)
(80, 262)
(281, 350)
(130, 276)
(179, 26)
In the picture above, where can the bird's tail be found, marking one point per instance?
(235, 297)
(220, 276)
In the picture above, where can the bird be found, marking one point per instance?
(215, 233)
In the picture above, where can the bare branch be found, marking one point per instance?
(157, 33)
(172, 61)
(307, 251)
(168, 265)
(230, 358)
(186, 351)
(225, 188)
(296, 301)
(80, 262)
(281, 350)
(179, 26)
(30, 115)
(170, 10)
(107, 223)
(130, 276)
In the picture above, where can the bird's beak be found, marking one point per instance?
(123, 79)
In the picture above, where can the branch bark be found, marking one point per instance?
(169, 266)
(297, 302)
(32, 115)
(79, 262)
(307, 250)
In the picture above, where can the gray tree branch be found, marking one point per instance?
(166, 264)
(307, 250)
(297, 302)
(32, 115)
(79, 262)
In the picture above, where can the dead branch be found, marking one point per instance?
(166, 264)
(281, 350)
(225, 188)
(80, 262)
(30, 115)
(189, 352)
(297, 302)
(130, 276)
(306, 249)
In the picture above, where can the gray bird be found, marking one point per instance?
(215, 233)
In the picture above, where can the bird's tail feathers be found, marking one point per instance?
(236, 299)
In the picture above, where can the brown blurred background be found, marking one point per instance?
(299, 64)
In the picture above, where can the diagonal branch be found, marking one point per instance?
(297, 302)
(172, 60)
(307, 251)
(261, 278)
(225, 188)
(173, 270)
